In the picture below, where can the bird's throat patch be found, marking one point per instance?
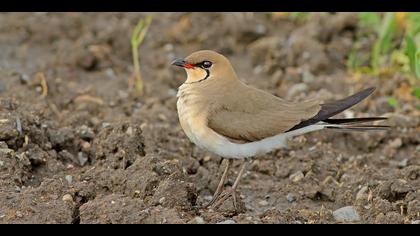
(196, 75)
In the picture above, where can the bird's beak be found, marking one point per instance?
(182, 63)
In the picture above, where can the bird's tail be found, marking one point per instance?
(355, 124)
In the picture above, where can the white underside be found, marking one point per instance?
(228, 149)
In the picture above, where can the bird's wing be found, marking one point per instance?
(256, 115)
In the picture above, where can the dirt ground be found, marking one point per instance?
(87, 151)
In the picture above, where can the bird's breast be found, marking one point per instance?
(192, 116)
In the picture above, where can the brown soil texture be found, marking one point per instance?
(90, 152)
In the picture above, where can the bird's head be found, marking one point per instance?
(205, 65)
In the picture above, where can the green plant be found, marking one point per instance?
(386, 33)
(369, 19)
(413, 54)
(136, 40)
(416, 92)
(407, 55)
(413, 26)
(392, 102)
(299, 16)
(396, 48)
(417, 63)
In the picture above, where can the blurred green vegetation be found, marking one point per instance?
(396, 47)
(299, 16)
(137, 38)
(386, 43)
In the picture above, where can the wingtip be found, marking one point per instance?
(366, 92)
(370, 90)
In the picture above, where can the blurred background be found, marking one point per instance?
(89, 131)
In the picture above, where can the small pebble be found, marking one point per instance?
(206, 158)
(199, 220)
(307, 77)
(296, 89)
(110, 73)
(162, 117)
(403, 163)
(227, 222)
(3, 145)
(258, 69)
(129, 131)
(106, 124)
(348, 114)
(306, 55)
(168, 47)
(362, 192)
(162, 200)
(208, 198)
(290, 197)
(69, 179)
(123, 94)
(85, 145)
(19, 125)
(82, 158)
(19, 214)
(346, 214)
(172, 92)
(260, 29)
(85, 132)
(415, 222)
(67, 198)
(396, 143)
(143, 126)
(296, 176)
(24, 78)
(263, 203)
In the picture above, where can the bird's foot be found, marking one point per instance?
(222, 197)
(220, 185)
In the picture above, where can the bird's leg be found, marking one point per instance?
(232, 190)
(221, 183)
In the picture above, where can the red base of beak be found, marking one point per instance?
(188, 66)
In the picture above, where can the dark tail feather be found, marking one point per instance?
(359, 127)
(333, 108)
(353, 124)
(349, 121)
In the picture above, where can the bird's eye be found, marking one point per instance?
(207, 64)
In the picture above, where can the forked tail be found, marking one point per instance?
(354, 124)
(333, 108)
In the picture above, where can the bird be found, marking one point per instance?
(220, 113)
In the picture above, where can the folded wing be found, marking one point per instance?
(256, 115)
